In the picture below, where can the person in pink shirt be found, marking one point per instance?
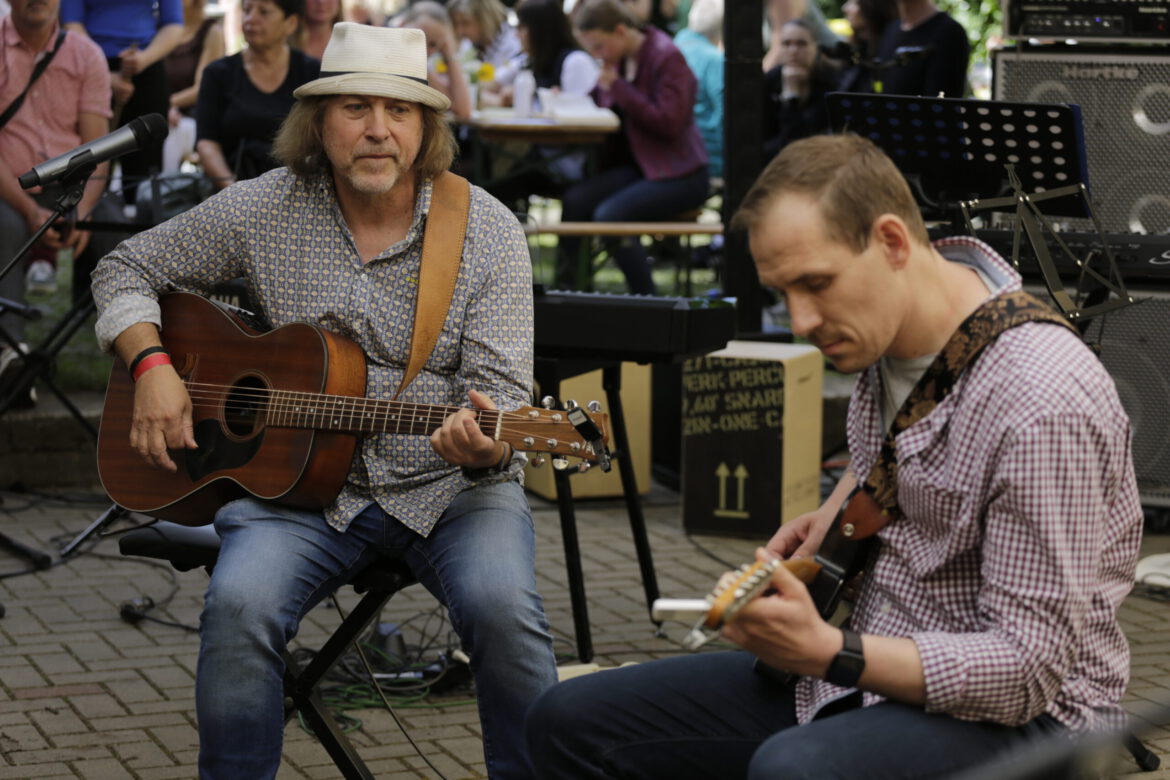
(68, 105)
(656, 167)
(994, 476)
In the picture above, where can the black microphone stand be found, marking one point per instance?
(37, 363)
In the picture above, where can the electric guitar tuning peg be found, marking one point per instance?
(537, 461)
(548, 402)
(560, 463)
(584, 466)
(570, 405)
(593, 406)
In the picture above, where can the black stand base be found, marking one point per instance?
(40, 363)
(106, 518)
(38, 558)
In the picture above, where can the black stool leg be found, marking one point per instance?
(573, 567)
(300, 683)
(1145, 758)
(612, 382)
(550, 384)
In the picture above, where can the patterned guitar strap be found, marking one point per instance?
(875, 502)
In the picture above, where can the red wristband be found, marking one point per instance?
(149, 362)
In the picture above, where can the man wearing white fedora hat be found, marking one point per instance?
(335, 238)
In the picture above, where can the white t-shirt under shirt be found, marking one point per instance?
(899, 375)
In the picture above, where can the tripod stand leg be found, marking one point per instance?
(37, 558)
(39, 362)
(111, 515)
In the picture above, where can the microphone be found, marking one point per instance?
(139, 133)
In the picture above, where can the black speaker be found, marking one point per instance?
(1134, 342)
(1125, 104)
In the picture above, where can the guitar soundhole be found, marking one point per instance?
(244, 409)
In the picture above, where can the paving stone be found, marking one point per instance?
(83, 694)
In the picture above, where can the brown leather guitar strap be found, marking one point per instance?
(441, 256)
(875, 503)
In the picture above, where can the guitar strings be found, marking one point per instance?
(306, 405)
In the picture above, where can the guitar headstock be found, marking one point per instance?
(731, 593)
(736, 589)
(561, 433)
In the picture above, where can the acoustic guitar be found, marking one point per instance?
(278, 415)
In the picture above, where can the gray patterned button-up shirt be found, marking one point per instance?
(287, 238)
(1020, 532)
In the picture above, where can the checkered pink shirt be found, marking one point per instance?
(76, 82)
(1020, 535)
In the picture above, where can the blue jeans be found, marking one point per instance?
(624, 195)
(712, 716)
(276, 563)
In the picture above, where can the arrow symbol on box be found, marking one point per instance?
(741, 475)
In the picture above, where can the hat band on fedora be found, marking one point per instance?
(330, 73)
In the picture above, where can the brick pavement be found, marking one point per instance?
(85, 695)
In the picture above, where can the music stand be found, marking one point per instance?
(961, 156)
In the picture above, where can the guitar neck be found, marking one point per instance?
(287, 409)
(249, 406)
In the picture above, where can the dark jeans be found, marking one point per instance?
(152, 95)
(624, 195)
(14, 232)
(712, 716)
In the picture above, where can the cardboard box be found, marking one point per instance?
(751, 437)
(596, 483)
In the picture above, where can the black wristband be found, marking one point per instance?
(847, 666)
(143, 355)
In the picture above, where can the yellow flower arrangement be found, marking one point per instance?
(485, 72)
(476, 71)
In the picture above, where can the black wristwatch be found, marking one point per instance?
(847, 666)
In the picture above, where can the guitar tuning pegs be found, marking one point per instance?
(593, 406)
(537, 461)
(570, 405)
(548, 402)
(584, 466)
(560, 463)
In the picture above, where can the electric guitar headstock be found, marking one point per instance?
(731, 593)
(560, 433)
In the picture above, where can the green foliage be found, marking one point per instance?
(983, 20)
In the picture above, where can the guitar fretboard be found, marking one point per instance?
(292, 409)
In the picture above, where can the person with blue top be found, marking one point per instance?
(136, 36)
(700, 42)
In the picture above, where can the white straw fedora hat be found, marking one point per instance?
(382, 61)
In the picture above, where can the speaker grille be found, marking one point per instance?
(1125, 103)
(1135, 342)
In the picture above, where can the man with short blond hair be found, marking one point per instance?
(993, 455)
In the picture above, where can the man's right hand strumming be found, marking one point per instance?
(162, 407)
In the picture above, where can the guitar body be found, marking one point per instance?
(238, 454)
